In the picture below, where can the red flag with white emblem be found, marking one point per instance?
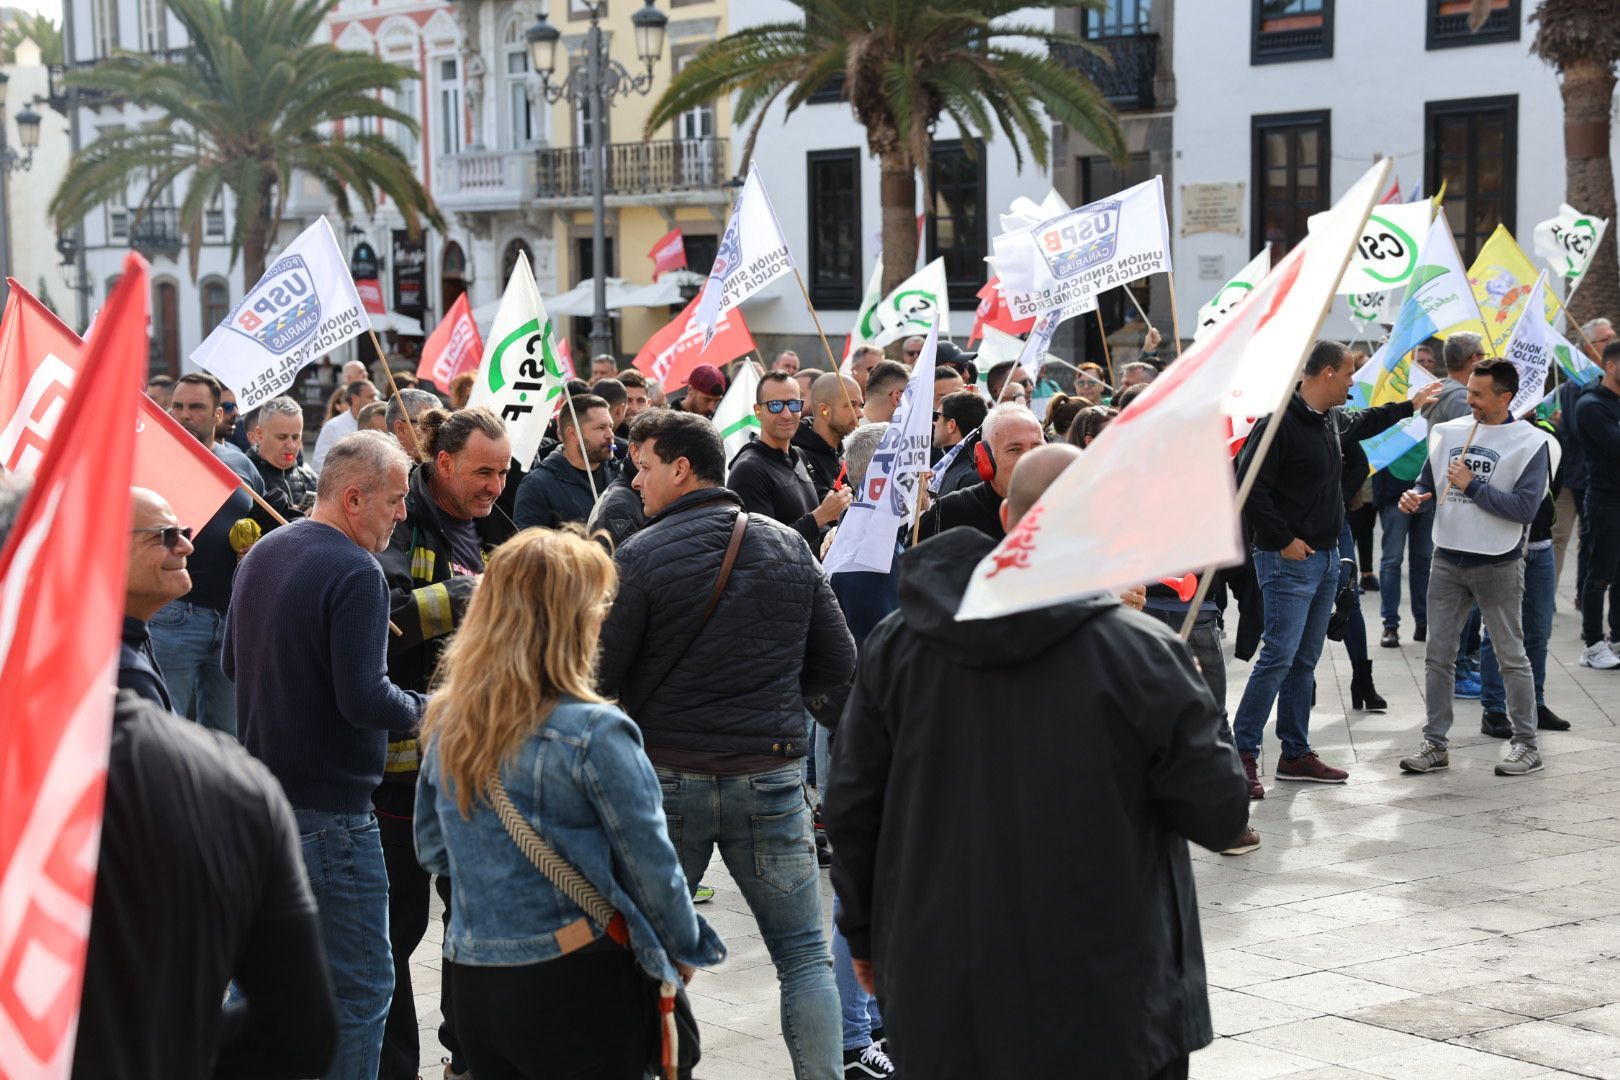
(61, 605)
(454, 346)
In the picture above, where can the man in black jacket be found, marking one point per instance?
(565, 485)
(432, 564)
(288, 486)
(957, 423)
(771, 476)
(721, 702)
(834, 413)
(1010, 430)
(155, 576)
(1295, 514)
(1597, 426)
(957, 749)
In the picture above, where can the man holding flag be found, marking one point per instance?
(772, 476)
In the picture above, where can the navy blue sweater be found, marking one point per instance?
(306, 642)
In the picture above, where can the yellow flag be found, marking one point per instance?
(1502, 278)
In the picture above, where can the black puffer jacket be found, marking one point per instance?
(776, 635)
(618, 513)
(284, 489)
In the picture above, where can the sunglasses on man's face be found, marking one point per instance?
(796, 405)
(228, 406)
(169, 535)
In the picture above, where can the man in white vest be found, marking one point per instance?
(1492, 473)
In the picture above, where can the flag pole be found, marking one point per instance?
(1102, 332)
(1446, 490)
(916, 510)
(830, 358)
(579, 436)
(393, 391)
(1131, 294)
(1175, 318)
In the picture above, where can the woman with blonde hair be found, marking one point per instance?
(540, 989)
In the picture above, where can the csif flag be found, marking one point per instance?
(453, 347)
(867, 326)
(304, 306)
(1387, 251)
(670, 355)
(1233, 292)
(669, 253)
(61, 604)
(752, 253)
(520, 377)
(734, 416)
(40, 363)
(911, 307)
(1569, 241)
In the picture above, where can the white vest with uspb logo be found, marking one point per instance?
(1498, 455)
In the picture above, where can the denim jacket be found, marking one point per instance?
(585, 784)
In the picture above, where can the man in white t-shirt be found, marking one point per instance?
(361, 392)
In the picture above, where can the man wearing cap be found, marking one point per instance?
(705, 386)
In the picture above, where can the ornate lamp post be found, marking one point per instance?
(11, 161)
(594, 87)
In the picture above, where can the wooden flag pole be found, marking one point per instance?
(393, 391)
(579, 435)
(1175, 318)
(916, 511)
(1102, 332)
(1446, 489)
(804, 292)
(1131, 294)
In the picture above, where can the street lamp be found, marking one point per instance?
(10, 161)
(594, 87)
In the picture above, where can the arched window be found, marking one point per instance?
(452, 275)
(509, 259)
(216, 303)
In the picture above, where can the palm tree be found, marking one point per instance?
(247, 104)
(39, 29)
(904, 65)
(1581, 39)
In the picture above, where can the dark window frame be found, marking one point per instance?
(824, 292)
(1451, 36)
(1260, 53)
(1507, 104)
(1259, 127)
(1093, 28)
(964, 290)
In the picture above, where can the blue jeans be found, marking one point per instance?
(1355, 629)
(1298, 601)
(187, 639)
(1539, 585)
(344, 857)
(859, 1009)
(1415, 533)
(761, 824)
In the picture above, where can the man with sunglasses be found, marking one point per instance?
(156, 575)
(771, 475)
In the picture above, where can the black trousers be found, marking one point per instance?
(1175, 1070)
(1362, 519)
(587, 1015)
(408, 887)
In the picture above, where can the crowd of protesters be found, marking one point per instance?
(551, 690)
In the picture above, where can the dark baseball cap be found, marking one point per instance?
(706, 379)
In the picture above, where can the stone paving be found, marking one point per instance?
(1455, 925)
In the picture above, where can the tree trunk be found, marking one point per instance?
(899, 198)
(1588, 87)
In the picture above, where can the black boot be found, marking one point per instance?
(1363, 695)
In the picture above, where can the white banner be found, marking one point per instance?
(303, 307)
(911, 308)
(752, 254)
(1569, 241)
(1387, 250)
(1232, 293)
(867, 535)
(521, 378)
(1065, 261)
(1531, 349)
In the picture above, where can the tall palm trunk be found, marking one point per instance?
(1588, 88)
(255, 239)
(899, 199)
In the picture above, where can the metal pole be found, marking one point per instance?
(5, 211)
(601, 336)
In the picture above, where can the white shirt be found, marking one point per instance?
(344, 423)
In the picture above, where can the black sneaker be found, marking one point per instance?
(1391, 638)
(1547, 720)
(867, 1061)
(1420, 632)
(1496, 725)
(823, 849)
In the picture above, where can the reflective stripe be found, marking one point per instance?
(422, 560)
(402, 757)
(433, 609)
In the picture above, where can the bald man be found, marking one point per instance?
(156, 575)
(834, 413)
(354, 371)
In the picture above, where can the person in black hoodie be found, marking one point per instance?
(958, 749)
(1009, 431)
(834, 413)
(1295, 515)
(771, 475)
(432, 565)
(1597, 426)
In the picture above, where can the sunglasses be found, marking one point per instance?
(228, 406)
(796, 405)
(938, 414)
(169, 535)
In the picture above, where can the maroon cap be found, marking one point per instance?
(706, 379)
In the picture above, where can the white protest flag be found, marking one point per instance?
(752, 253)
(1532, 349)
(303, 307)
(1387, 251)
(1166, 457)
(910, 309)
(1569, 241)
(1271, 361)
(1233, 292)
(1064, 260)
(867, 326)
(734, 416)
(1369, 308)
(1039, 341)
(866, 536)
(520, 377)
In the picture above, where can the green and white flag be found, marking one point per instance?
(734, 416)
(867, 327)
(1569, 241)
(1230, 294)
(1387, 251)
(910, 309)
(520, 377)
(1369, 308)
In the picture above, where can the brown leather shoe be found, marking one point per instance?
(1249, 841)
(1251, 770)
(1310, 768)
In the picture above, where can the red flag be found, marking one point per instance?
(565, 358)
(371, 297)
(40, 358)
(453, 347)
(669, 253)
(61, 606)
(670, 355)
(993, 311)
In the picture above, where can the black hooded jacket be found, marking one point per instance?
(965, 758)
(778, 485)
(822, 460)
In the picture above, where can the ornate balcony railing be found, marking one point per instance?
(640, 168)
(1127, 82)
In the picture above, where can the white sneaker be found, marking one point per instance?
(1600, 656)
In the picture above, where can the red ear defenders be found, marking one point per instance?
(984, 460)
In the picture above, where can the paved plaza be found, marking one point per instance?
(1428, 927)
